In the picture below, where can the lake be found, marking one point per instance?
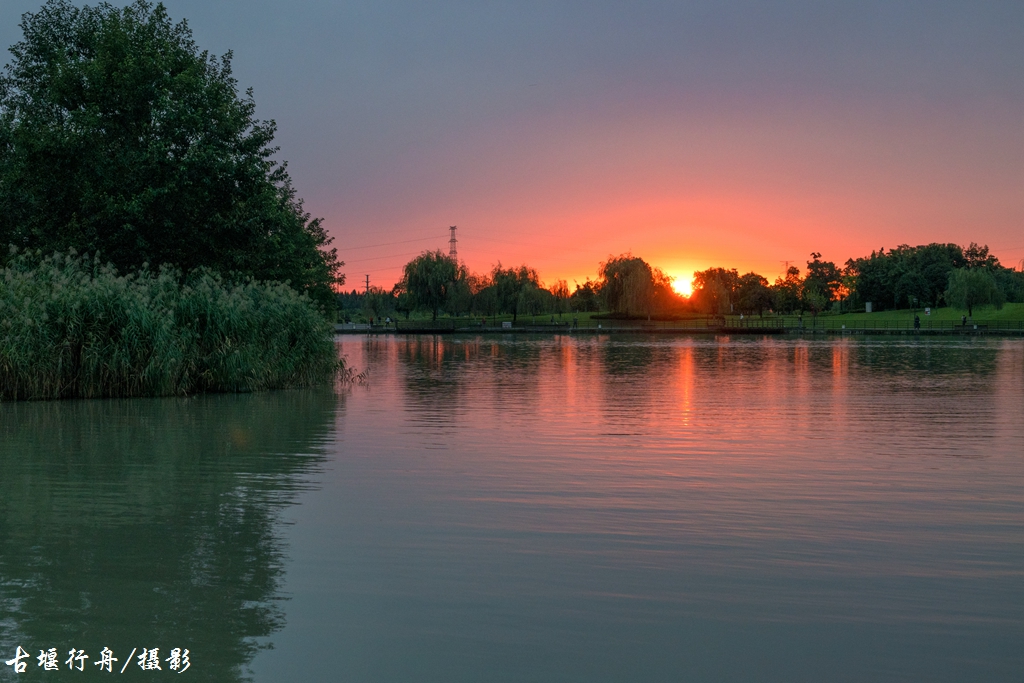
(536, 509)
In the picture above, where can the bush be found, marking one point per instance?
(72, 327)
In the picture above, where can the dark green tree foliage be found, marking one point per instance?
(629, 285)
(821, 285)
(1010, 283)
(483, 296)
(978, 257)
(118, 135)
(587, 297)
(378, 303)
(428, 281)
(897, 278)
(714, 290)
(513, 288)
(460, 298)
(970, 287)
(753, 294)
(894, 279)
(787, 292)
(560, 297)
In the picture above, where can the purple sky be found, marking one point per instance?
(693, 134)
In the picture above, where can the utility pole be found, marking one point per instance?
(451, 244)
(367, 284)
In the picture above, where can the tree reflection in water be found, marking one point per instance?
(151, 523)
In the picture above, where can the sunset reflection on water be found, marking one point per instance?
(788, 508)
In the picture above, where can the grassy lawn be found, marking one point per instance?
(1008, 312)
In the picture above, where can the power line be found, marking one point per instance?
(388, 244)
(380, 258)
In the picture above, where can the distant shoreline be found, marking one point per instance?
(1000, 329)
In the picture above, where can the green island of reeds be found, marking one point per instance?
(73, 327)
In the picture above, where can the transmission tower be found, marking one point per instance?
(451, 244)
(367, 284)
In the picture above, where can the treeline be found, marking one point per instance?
(627, 286)
(904, 277)
(436, 283)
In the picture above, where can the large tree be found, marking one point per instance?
(118, 135)
(513, 288)
(429, 281)
(787, 291)
(823, 281)
(970, 287)
(629, 284)
(714, 290)
(753, 294)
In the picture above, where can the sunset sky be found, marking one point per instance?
(742, 134)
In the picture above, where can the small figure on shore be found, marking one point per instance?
(963, 320)
(575, 322)
(917, 322)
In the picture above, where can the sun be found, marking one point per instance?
(683, 285)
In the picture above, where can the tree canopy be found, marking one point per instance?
(429, 280)
(118, 135)
(970, 287)
(713, 290)
(631, 286)
(515, 288)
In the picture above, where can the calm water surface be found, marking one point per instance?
(548, 509)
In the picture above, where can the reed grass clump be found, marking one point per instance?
(71, 326)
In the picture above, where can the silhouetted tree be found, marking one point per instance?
(787, 292)
(510, 285)
(753, 294)
(429, 280)
(628, 284)
(560, 292)
(587, 297)
(714, 290)
(823, 279)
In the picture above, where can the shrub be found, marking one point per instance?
(73, 327)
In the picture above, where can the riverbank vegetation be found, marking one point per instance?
(72, 327)
(120, 138)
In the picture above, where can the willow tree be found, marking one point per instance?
(513, 288)
(118, 135)
(429, 280)
(970, 287)
(628, 284)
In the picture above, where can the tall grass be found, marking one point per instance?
(73, 327)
